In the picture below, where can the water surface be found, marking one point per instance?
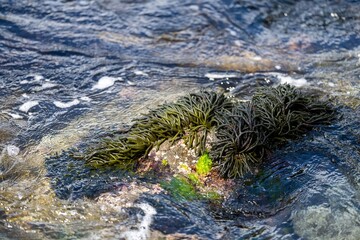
(73, 71)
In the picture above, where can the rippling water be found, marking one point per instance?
(72, 70)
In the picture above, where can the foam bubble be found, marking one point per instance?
(24, 82)
(25, 107)
(66, 105)
(38, 77)
(213, 76)
(46, 85)
(292, 81)
(141, 73)
(257, 58)
(13, 115)
(86, 99)
(105, 82)
(12, 150)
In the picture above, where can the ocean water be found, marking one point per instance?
(71, 72)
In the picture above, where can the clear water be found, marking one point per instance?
(71, 71)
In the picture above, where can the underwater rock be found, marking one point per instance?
(324, 222)
(244, 132)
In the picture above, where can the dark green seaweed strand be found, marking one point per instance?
(274, 116)
(191, 118)
(244, 132)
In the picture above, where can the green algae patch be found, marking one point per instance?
(213, 196)
(190, 188)
(204, 164)
(181, 188)
(194, 179)
(164, 163)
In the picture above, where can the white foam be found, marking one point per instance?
(143, 231)
(13, 115)
(130, 83)
(238, 43)
(105, 82)
(25, 107)
(257, 58)
(141, 73)
(67, 104)
(12, 150)
(232, 32)
(38, 77)
(24, 82)
(194, 8)
(292, 81)
(213, 76)
(44, 86)
(86, 99)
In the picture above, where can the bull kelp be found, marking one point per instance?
(244, 132)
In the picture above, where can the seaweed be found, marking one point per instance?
(190, 118)
(245, 132)
(239, 141)
(285, 112)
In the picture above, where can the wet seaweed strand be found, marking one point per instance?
(274, 116)
(244, 132)
(190, 118)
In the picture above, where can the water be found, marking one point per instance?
(72, 71)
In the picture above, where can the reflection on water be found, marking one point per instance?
(72, 70)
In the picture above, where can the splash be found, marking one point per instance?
(143, 230)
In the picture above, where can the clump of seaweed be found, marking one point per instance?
(239, 140)
(285, 112)
(274, 115)
(244, 132)
(190, 118)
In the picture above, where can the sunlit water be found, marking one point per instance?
(72, 71)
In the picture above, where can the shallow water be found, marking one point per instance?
(72, 71)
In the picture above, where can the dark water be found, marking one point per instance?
(54, 53)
